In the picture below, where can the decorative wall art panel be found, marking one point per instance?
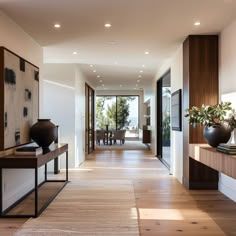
(19, 99)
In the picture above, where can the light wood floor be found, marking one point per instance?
(163, 205)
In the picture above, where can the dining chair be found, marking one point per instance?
(119, 135)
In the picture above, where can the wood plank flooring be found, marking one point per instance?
(163, 205)
(89, 207)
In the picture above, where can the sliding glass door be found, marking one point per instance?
(163, 118)
(89, 119)
(118, 112)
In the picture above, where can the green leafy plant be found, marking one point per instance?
(166, 126)
(210, 115)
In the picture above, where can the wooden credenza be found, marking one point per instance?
(208, 156)
(146, 136)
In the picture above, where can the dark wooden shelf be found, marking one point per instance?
(219, 161)
(146, 136)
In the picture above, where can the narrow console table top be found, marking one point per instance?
(219, 161)
(32, 161)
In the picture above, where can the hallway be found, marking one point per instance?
(164, 206)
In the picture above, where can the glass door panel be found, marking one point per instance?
(118, 112)
(166, 96)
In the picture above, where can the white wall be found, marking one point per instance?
(80, 116)
(58, 103)
(17, 182)
(64, 103)
(175, 64)
(227, 85)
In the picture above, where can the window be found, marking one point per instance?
(118, 112)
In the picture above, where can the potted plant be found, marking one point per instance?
(216, 119)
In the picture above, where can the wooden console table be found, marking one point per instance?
(219, 161)
(33, 162)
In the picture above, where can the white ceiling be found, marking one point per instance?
(157, 26)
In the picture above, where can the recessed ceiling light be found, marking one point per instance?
(121, 85)
(140, 76)
(103, 85)
(94, 71)
(75, 53)
(100, 81)
(91, 65)
(138, 80)
(116, 62)
(147, 52)
(136, 85)
(98, 76)
(107, 25)
(197, 23)
(143, 65)
(57, 25)
(135, 88)
(141, 71)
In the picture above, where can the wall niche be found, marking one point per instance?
(19, 99)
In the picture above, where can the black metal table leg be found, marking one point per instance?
(1, 191)
(46, 172)
(36, 192)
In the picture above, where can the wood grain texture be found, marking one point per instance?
(1, 98)
(21, 161)
(89, 207)
(164, 206)
(207, 155)
(200, 86)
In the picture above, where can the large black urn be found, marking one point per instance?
(44, 132)
(216, 134)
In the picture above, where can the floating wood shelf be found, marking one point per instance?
(208, 156)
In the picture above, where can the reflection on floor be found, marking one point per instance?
(166, 154)
(128, 145)
(163, 206)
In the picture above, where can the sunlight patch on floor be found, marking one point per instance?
(160, 214)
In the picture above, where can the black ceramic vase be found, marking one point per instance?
(44, 132)
(216, 134)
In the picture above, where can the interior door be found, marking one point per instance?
(89, 119)
(163, 118)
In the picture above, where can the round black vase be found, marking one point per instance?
(216, 134)
(44, 132)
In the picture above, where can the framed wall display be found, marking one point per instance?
(176, 110)
(19, 99)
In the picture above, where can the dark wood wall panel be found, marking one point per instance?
(185, 106)
(2, 98)
(200, 86)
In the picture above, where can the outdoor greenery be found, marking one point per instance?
(210, 115)
(166, 127)
(116, 115)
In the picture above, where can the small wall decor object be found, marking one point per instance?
(17, 137)
(22, 64)
(176, 110)
(5, 119)
(19, 99)
(36, 75)
(25, 111)
(44, 132)
(27, 95)
(10, 76)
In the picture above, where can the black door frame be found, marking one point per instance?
(159, 141)
(89, 114)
